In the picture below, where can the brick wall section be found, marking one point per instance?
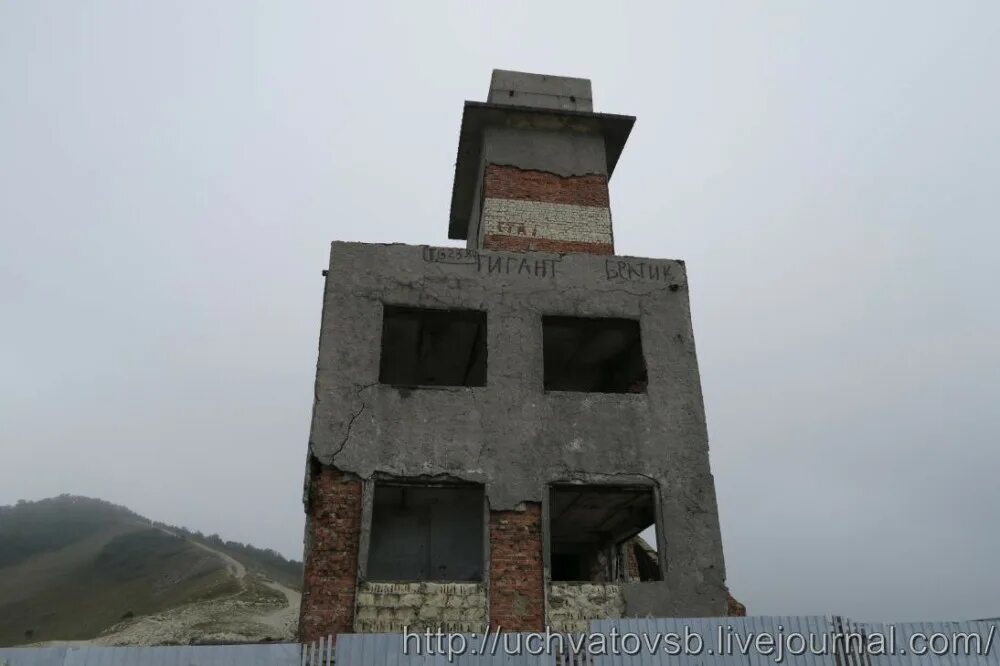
(734, 608)
(524, 244)
(517, 601)
(536, 211)
(507, 182)
(333, 528)
(559, 222)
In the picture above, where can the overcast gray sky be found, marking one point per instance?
(171, 174)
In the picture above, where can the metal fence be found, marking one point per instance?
(319, 653)
(724, 642)
(710, 641)
(32, 656)
(389, 650)
(836, 641)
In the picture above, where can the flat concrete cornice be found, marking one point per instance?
(478, 116)
(449, 254)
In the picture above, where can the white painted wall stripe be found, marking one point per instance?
(539, 219)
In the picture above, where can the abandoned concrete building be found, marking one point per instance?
(494, 425)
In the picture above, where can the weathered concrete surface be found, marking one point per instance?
(652, 599)
(542, 90)
(510, 435)
(557, 151)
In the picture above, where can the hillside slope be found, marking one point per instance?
(79, 569)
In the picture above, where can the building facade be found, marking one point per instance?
(494, 425)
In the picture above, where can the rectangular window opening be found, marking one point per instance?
(593, 355)
(594, 534)
(426, 533)
(427, 347)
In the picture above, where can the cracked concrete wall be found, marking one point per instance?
(558, 152)
(510, 435)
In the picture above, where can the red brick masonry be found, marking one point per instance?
(512, 183)
(507, 182)
(534, 244)
(333, 528)
(734, 608)
(517, 601)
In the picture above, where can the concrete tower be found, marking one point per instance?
(495, 424)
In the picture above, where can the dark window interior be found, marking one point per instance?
(432, 533)
(593, 355)
(593, 533)
(424, 347)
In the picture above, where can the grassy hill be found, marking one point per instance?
(70, 567)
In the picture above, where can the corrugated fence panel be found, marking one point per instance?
(387, 650)
(52, 656)
(724, 642)
(966, 643)
(807, 641)
(318, 653)
(710, 641)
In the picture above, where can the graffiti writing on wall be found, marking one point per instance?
(492, 264)
(515, 229)
(450, 255)
(507, 265)
(627, 270)
(638, 271)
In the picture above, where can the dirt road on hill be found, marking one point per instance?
(260, 610)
